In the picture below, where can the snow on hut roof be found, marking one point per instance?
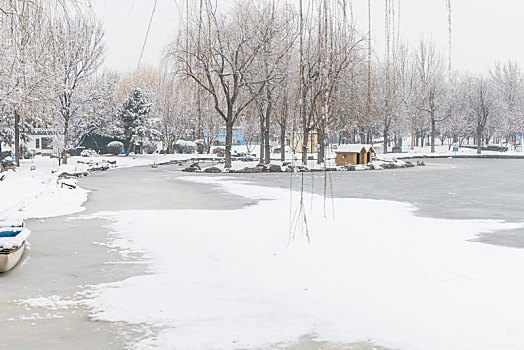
(353, 148)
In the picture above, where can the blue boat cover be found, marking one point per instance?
(9, 233)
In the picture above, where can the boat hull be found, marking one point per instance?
(9, 260)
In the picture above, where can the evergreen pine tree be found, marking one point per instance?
(133, 115)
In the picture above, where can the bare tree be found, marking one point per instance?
(277, 33)
(431, 75)
(228, 51)
(25, 61)
(78, 49)
(482, 99)
(508, 83)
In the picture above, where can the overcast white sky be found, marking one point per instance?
(483, 31)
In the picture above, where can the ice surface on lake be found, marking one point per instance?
(373, 270)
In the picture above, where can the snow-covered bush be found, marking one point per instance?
(185, 147)
(149, 147)
(201, 146)
(115, 147)
(219, 151)
(88, 153)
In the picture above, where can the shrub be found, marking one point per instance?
(88, 153)
(185, 147)
(217, 150)
(149, 147)
(201, 146)
(115, 147)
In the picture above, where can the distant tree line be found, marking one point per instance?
(277, 71)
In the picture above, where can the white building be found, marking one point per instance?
(40, 141)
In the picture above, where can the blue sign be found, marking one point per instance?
(220, 136)
(518, 139)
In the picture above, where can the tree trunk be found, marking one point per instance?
(479, 140)
(385, 141)
(229, 141)
(269, 107)
(262, 138)
(283, 141)
(413, 136)
(17, 138)
(200, 125)
(66, 136)
(267, 146)
(433, 132)
(305, 133)
(320, 156)
(305, 138)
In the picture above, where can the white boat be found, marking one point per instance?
(10, 257)
(12, 246)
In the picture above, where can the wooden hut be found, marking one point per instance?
(354, 154)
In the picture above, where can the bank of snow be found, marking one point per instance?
(38, 193)
(444, 151)
(27, 193)
(372, 271)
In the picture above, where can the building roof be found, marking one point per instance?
(353, 148)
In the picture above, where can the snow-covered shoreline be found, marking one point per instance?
(35, 190)
(447, 152)
(38, 193)
(389, 276)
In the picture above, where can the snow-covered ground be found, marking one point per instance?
(38, 193)
(27, 193)
(373, 271)
(441, 151)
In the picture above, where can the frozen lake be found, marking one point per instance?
(67, 254)
(445, 188)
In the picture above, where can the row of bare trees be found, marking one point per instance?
(50, 77)
(50, 50)
(279, 71)
(269, 64)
